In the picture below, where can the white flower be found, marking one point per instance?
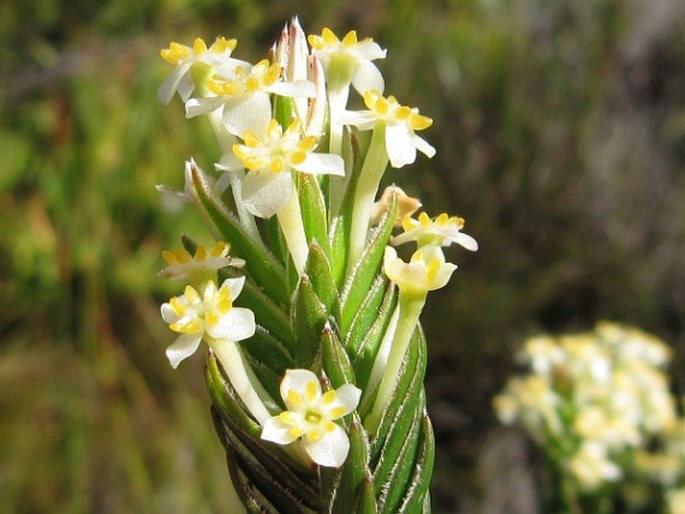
(210, 314)
(244, 93)
(310, 415)
(401, 124)
(183, 265)
(442, 231)
(427, 270)
(270, 158)
(349, 61)
(184, 57)
(592, 467)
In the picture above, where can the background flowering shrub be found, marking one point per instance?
(560, 130)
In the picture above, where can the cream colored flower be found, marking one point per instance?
(443, 230)
(426, 271)
(311, 415)
(184, 57)
(182, 265)
(196, 315)
(401, 125)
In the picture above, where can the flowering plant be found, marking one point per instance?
(598, 404)
(316, 356)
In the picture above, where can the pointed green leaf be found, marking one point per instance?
(354, 471)
(417, 498)
(338, 242)
(395, 467)
(268, 315)
(318, 269)
(358, 283)
(266, 271)
(335, 361)
(314, 215)
(309, 318)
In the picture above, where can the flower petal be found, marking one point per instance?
(166, 91)
(266, 193)
(348, 396)
(367, 77)
(276, 431)
(331, 450)
(423, 146)
(169, 314)
(466, 241)
(198, 106)
(236, 325)
(296, 88)
(322, 164)
(184, 346)
(297, 379)
(399, 144)
(247, 112)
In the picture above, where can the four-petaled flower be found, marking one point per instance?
(441, 231)
(349, 61)
(426, 271)
(183, 57)
(269, 159)
(209, 315)
(310, 415)
(244, 92)
(182, 265)
(401, 124)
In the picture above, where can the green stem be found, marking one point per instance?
(367, 187)
(410, 307)
(290, 219)
(231, 359)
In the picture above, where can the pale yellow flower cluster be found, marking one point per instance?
(589, 398)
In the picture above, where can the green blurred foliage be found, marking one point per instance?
(560, 129)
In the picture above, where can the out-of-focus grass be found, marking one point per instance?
(559, 129)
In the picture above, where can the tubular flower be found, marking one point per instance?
(184, 57)
(182, 265)
(349, 61)
(310, 415)
(401, 124)
(427, 270)
(441, 231)
(244, 93)
(270, 158)
(211, 314)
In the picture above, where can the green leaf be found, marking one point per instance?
(394, 468)
(309, 318)
(355, 471)
(417, 498)
(335, 361)
(370, 326)
(318, 270)
(264, 269)
(358, 283)
(268, 315)
(313, 210)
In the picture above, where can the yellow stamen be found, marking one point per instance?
(294, 399)
(200, 253)
(199, 46)
(329, 397)
(178, 308)
(337, 412)
(328, 426)
(314, 435)
(311, 391)
(350, 39)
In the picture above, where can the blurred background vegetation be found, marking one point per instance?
(560, 129)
